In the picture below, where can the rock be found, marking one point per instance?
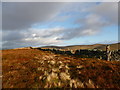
(55, 70)
(79, 67)
(52, 62)
(40, 77)
(52, 77)
(64, 76)
(90, 84)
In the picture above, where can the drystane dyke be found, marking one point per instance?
(93, 53)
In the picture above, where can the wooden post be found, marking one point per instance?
(108, 52)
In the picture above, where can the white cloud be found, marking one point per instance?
(31, 37)
(18, 19)
(99, 16)
(89, 32)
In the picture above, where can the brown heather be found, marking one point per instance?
(32, 68)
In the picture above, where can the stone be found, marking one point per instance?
(64, 76)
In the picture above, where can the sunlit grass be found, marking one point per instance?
(24, 69)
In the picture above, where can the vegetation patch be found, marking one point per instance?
(32, 68)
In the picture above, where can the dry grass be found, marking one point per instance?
(32, 68)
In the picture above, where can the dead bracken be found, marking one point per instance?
(32, 68)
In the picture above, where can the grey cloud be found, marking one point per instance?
(0, 16)
(91, 25)
(12, 36)
(22, 15)
(100, 16)
(108, 10)
(17, 20)
(76, 33)
(30, 37)
(11, 45)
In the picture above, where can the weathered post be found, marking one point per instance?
(31, 47)
(108, 52)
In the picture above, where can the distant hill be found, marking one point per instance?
(94, 46)
(115, 46)
(24, 48)
(112, 46)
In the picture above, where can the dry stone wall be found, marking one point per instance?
(93, 53)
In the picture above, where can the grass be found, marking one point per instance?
(20, 69)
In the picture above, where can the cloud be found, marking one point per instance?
(99, 16)
(77, 32)
(31, 37)
(108, 11)
(19, 20)
(90, 25)
(60, 1)
(22, 15)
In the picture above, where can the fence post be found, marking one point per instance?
(108, 52)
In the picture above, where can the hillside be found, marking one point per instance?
(32, 68)
(94, 46)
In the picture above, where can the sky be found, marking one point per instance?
(38, 24)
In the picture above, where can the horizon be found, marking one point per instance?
(58, 23)
(62, 45)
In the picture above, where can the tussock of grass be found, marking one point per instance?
(32, 68)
